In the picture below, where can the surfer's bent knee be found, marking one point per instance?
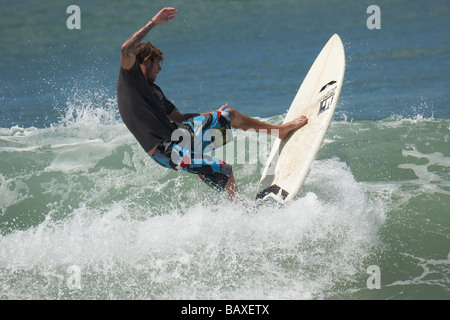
(234, 114)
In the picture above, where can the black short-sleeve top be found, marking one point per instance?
(144, 108)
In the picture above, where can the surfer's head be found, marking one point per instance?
(149, 57)
(147, 51)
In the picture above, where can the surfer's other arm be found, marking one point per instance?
(128, 56)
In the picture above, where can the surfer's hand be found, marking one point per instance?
(223, 107)
(164, 16)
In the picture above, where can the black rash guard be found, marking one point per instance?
(144, 108)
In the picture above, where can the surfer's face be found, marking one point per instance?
(151, 69)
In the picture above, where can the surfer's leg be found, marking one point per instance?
(241, 121)
(231, 188)
(200, 135)
(214, 172)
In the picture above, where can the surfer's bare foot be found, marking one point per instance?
(288, 127)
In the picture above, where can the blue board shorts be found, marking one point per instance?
(193, 138)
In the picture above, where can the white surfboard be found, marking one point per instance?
(290, 159)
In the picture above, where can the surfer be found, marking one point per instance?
(158, 125)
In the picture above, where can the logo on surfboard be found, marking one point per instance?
(326, 100)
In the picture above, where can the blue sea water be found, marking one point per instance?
(86, 214)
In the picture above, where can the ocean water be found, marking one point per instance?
(86, 214)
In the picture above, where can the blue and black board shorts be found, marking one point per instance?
(189, 143)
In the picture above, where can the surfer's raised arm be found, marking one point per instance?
(128, 56)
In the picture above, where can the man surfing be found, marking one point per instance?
(158, 125)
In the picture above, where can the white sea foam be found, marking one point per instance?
(216, 250)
